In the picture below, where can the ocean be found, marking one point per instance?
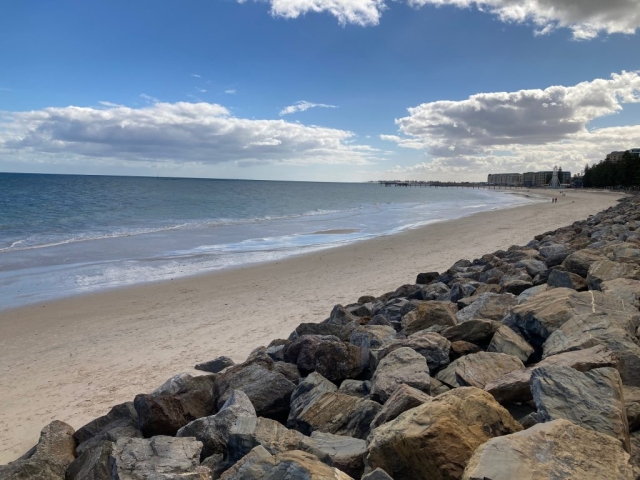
(62, 235)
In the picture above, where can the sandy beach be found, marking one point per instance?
(73, 359)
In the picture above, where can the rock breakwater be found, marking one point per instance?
(524, 363)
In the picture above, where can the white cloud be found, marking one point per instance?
(303, 106)
(230, 92)
(201, 90)
(527, 129)
(586, 18)
(172, 132)
(195, 75)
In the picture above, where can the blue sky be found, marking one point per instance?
(198, 88)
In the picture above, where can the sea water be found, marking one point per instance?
(66, 234)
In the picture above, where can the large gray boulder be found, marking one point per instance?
(120, 421)
(488, 306)
(478, 369)
(158, 458)
(563, 279)
(626, 289)
(401, 366)
(48, 460)
(592, 399)
(268, 390)
(177, 402)
(296, 464)
(403, 399)
(514, 386)
(216, 365)
(344, 453)
(479, 332)
(541, 315)
(427, 314)
(580, 261)
(317, 406)
(551, 451)
(93, 463)
(214, 431)
(505, 340)
(332, 358)
(432, 346)
(343, 332)
(632, 406)
(605, 270)
(615, 330)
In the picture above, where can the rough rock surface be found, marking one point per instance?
(514, 386)
(488, 306)
(161, 458)
(479, 332)
(505, 340)
(344, 453)
(403, 399)
(48, 460)
(432, 346)
(268, 390)
(592, 399)
(260, 465)
(427, 314)
(401, 366)
(554, 450)
(216, 365)
(436, 440)
(478, 369)
(92, 464)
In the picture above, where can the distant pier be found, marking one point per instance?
(400, 183)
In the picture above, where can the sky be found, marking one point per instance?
(317, 90)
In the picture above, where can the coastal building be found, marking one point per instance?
(615, 156)
(505, 179)
(635, 151)
(540, 179)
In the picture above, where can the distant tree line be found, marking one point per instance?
(624, 173)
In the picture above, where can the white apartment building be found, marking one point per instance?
(505, 179)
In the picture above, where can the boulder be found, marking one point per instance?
(561, 279)
(605, 270)
(333, 412)
(180, 400)
(479, 332)
(592, 399)
(488, 306)
(121, 421)
(478, 369)
(626, 289)
(342, 332)
(249, 432)
(326, 355)
(306, 393)
(403, 399)
(260, 465)
(92, 464)
(532, 266)
(462, 290)
(48, 460)
(377, 474)
(435, 440)
(432, 346)
(427, 277)
(344, 453)
(401, 366)
(216, 365)
(372, 336)
(268, 390)
(461, 348)
(357, 388)
(427, 314)
(515, 284)
(505, 340)
(394, 309)
(632, 406)
(379, 320)
(514, 386)
(158, 458)
(531, 292)
(340, 316)
(579, 262)
(214, 431)
(541, 315)
(554, 450)
(615, 330)
(554, 253)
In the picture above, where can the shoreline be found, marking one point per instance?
(72, 359)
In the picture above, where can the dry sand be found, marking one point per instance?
(73, 359)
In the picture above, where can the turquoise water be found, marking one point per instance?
(66, 234)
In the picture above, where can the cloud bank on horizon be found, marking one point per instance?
(520, 130)
(183, 132)
(585, 18)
